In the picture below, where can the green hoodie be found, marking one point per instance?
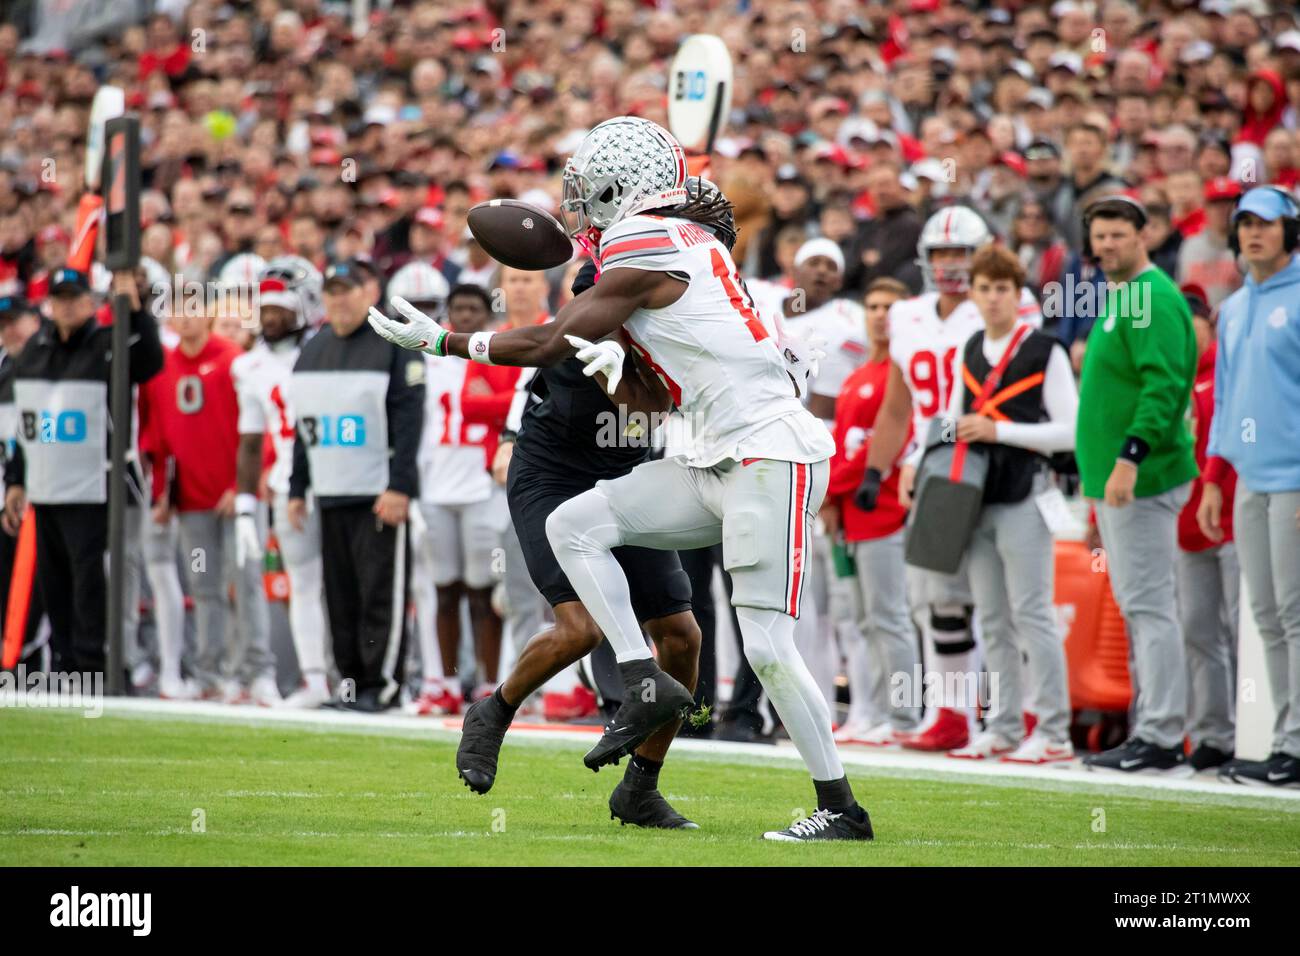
(1137, 378)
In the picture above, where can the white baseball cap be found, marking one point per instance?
(820, 247)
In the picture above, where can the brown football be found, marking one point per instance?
(520, 235)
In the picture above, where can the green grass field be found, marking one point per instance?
(128, 790)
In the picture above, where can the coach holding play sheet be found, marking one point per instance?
(1257, 428)
(359, 404)
(61, 460)
(1136, 463)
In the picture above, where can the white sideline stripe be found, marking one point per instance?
(900, 763)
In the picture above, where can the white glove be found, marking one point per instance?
(604, 356)
(802, 356)
(415, 331)
(248, 543)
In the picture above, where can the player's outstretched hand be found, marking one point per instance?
(803, 356)
(605, 356)
(412, 329)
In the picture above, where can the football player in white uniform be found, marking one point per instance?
(288, 304)
(926, 336)
(757, 467)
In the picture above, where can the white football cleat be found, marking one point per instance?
(881, 735)
(851, 732)
(265, 692)
(1038, 749)
(177, 690)
(983, 746)
(305, 698)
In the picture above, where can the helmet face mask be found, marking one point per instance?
(951, 277)
(956, 227)
(624, 166)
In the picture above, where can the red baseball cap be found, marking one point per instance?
(53, 233)
(1222, 187)
(1015, 162)
(429, 216)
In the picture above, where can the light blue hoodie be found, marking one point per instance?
(1257, 382)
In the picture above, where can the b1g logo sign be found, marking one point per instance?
(692, 85)
(334, 431)
(49, 428)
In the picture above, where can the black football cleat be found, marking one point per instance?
(825, 825)
(1206, 757)
(481, 734)
(650, 699)
(645, 808)
(1136, 755)
(1279, 770)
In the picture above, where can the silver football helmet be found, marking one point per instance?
(954, 227)
(624, 166)
(293, 283)
(420, 284)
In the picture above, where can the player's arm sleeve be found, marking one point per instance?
(405, 407)
(1061, 400)
(639, 243)
(957, 397)
(252, 417)
(146, 352)
(492, 409)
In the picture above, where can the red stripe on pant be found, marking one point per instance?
(796, 553)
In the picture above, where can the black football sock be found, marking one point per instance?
(836, 796)
(506, 707)
(642, 773)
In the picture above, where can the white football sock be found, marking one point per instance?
(583, 532)
(769, 647)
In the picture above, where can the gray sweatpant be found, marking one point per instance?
(1140, 541)
(208, 553)
(1208, 586)
(1267, 529)
(1012, 576)
(886, 624)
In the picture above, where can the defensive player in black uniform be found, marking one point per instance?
(561, 450)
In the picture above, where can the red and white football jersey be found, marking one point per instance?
(926, 348)
(262, 385)
(711, 348)
(453, 470)
(840, 324)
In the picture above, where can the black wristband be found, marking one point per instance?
(1134, 450)
(873, 474)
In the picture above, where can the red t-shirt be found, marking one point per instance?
(485, 400)
(855, 415)
(1189, 532)
(189, 413)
